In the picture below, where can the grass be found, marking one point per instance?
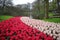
(4, 17)
(51, 13)
(55, 20)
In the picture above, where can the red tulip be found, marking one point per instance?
(17, 30)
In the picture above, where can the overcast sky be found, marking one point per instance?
(22, 1)
(15, 2)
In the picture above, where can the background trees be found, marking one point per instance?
(58, 6)
(4, 5)
(48, 8)
(39, 9)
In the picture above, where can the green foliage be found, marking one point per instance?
(38, 15)
(52, 5)
(51, 14)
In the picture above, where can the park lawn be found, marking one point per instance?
(5, 17)
(55, 20)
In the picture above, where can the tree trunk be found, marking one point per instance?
(58, 6)
(46, 9)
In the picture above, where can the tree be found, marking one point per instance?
(9, 3)
(36, 8)
(46, 8)
(38, 5)
(6, 3)
(58, 6)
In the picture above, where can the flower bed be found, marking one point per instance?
(49, 28)
(15, 29)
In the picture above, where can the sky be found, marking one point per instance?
(15, 2)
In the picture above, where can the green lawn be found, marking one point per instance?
(56, 20)
(5, 18)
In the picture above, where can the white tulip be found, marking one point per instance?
(58, 38)
(54, 37)
(43, 26)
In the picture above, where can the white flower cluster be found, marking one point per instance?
(49, 28)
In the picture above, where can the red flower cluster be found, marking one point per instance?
(15, 29)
